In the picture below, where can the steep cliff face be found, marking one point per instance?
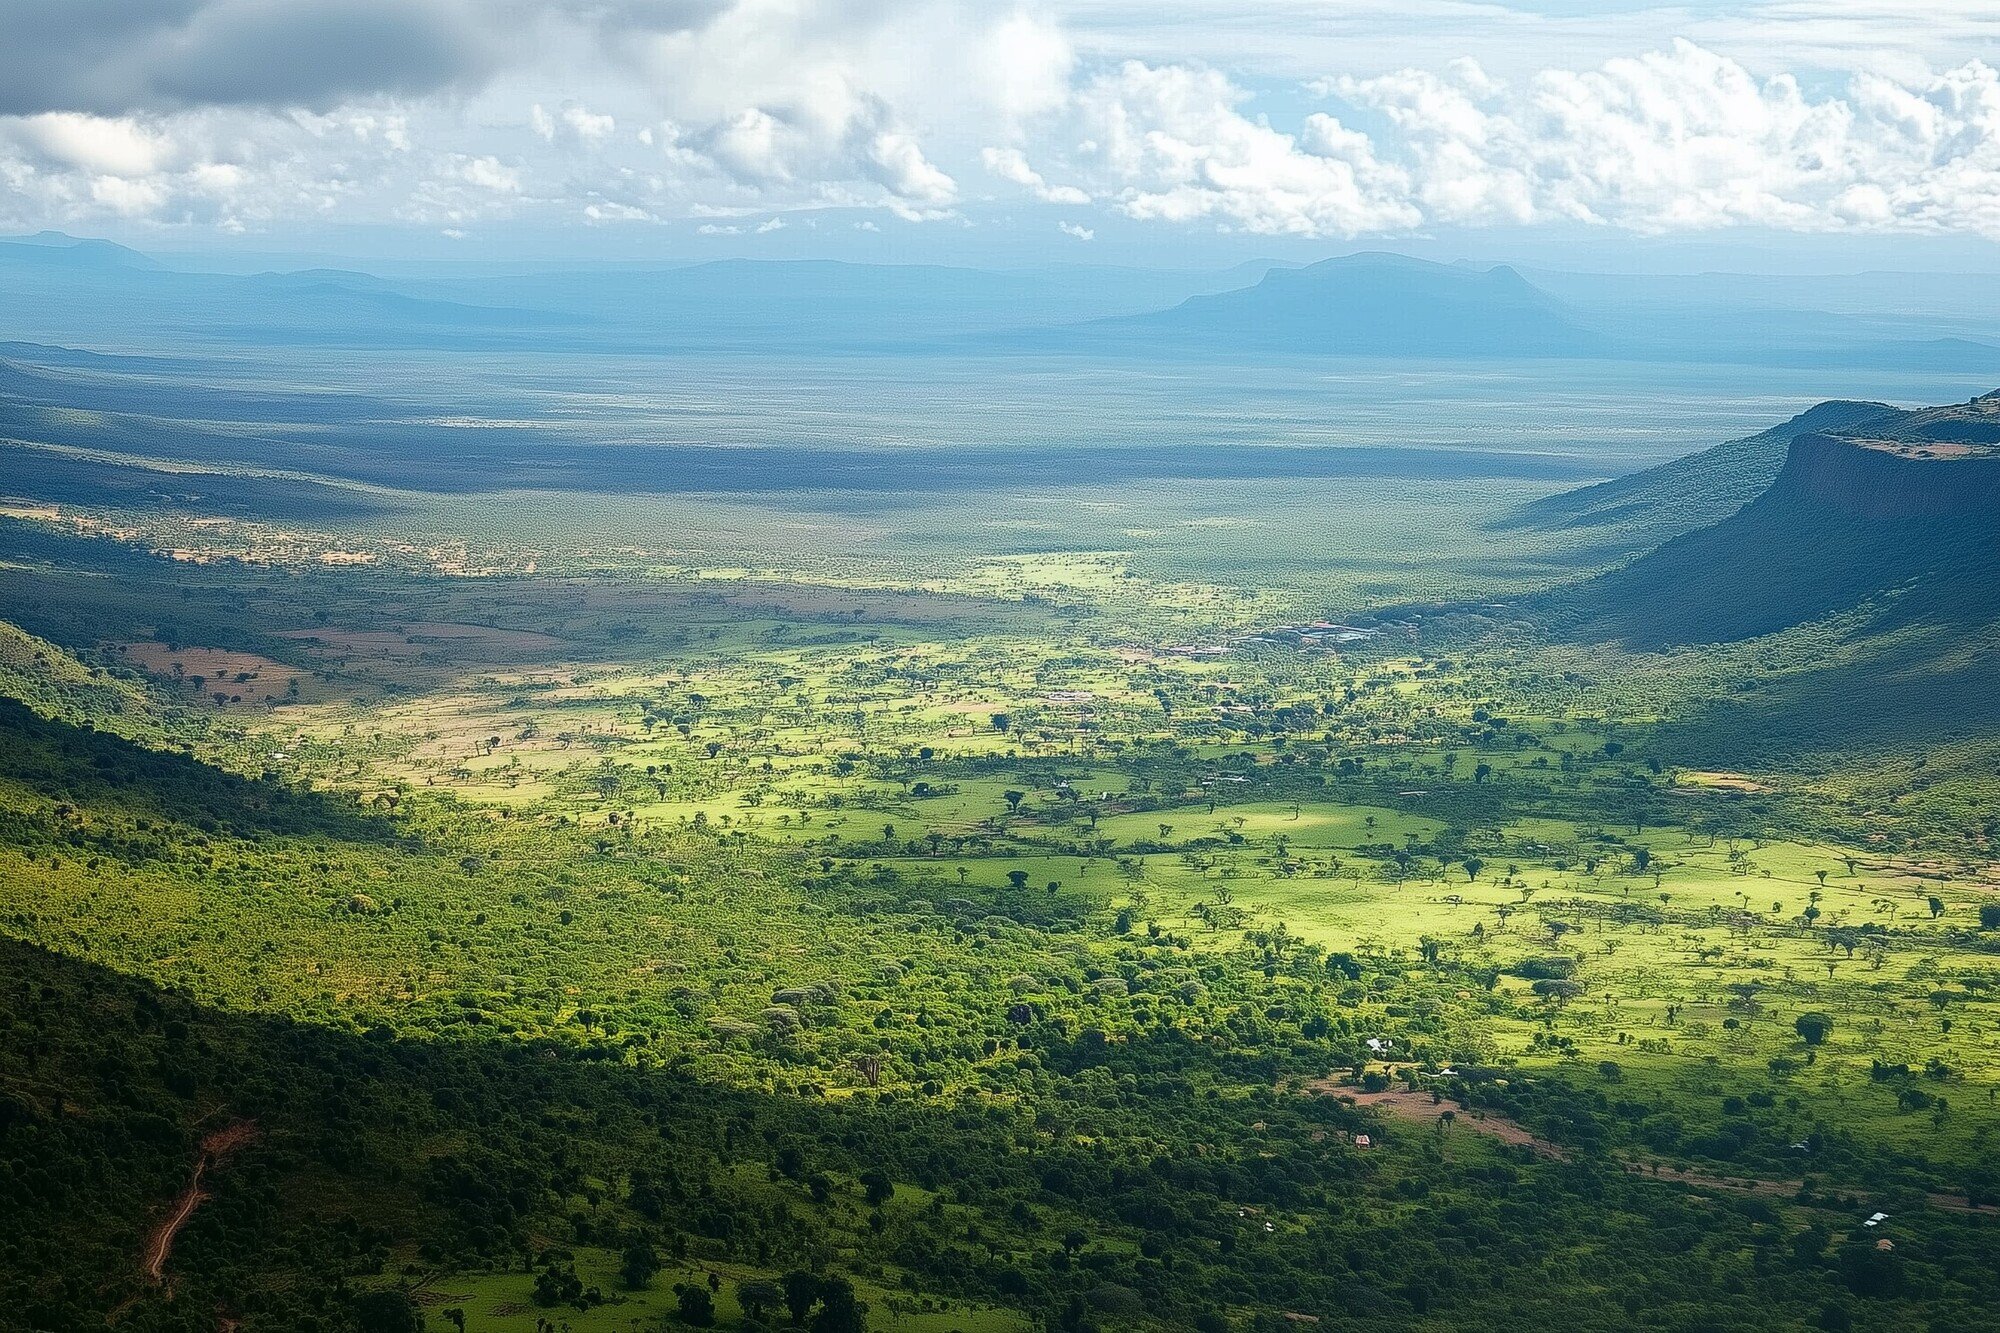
(1896, 517)
(1878, 542)
(1890, 480)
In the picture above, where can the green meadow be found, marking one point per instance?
(1028, 941)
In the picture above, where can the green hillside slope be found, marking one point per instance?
(1646, 508)
(1856, 602)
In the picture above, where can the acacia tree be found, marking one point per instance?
(694, 1304)
(640, 1265)
(758, 1296)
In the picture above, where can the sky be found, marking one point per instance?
(1772, 133)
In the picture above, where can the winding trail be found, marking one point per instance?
(215, 1149)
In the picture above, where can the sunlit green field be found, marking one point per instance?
(942, 846)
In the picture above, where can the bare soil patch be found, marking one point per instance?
(1421, 1108)
(243, 677)
(1721, 781)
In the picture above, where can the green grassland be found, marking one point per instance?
(970, 935)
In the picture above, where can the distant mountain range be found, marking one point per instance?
(55, 249)
(1372, 305)
(61, 290)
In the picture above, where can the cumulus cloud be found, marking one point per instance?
(586, 124)
(1172, 144)
(742, 103)
(66, 164)
(491, 174)
(899, 164)
(1011, 164)
(823, 99)
(1676, 140)
(96, 145)
(242, 114)
(1684, 139)
(612, 211)
(111, 57)
(577, 121)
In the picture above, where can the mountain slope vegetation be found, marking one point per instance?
(615, 844)
(1858, 596)
(1644, 509)
(1895, 512)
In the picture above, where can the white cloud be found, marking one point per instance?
(393, 130)
(1072, 229)
(1296, 40)
(1677, 140)
(127, 198)
(735, 109)
(611, 211)
(1011, 164)
(1686, 140)
(490, 173)
(1170, 144)
(577, 121)
(110, 145)
(753, 146)
(586, 124)
(818, 104)
(746, 104)
(899, 163)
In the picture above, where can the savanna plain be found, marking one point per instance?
(523, 840)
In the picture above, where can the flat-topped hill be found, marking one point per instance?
(1897, 510)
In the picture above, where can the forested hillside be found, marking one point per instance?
(305, 1038)
(1639, 511)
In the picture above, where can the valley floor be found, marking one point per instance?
(976, 946)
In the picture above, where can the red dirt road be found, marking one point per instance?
(215, 1148)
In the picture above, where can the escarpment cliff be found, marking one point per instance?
(1894, 517)
(1888, 480)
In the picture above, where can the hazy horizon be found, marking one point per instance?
(1064, 666)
